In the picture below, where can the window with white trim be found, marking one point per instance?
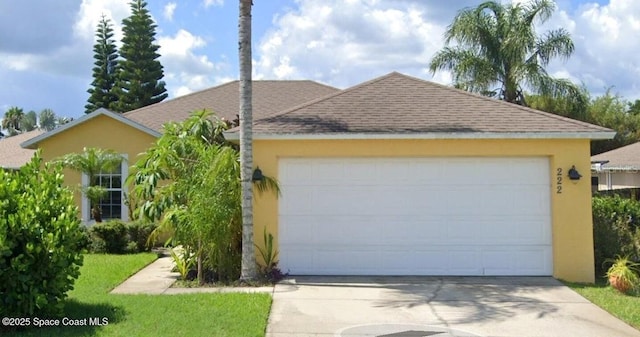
(113, 205)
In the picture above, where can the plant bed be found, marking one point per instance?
(265, 279)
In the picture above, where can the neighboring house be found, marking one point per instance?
(617, 169)
(12, 156)
(397, 176)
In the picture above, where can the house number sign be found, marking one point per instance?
(559, 180)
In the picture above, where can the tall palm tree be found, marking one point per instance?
(47, 119)
(499, 54)
(12, 120)
(248, 271)
(29, 121)
(92, 161)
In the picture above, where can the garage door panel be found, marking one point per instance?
(530, 232)
(297, 228)
(496, 197)
(463, 230)
(430, 173)
(411, 262)
(360, 171)
(334, 259)
(330, 171)
(298, 201)
(535, 201)
(341, 200)
(504, 261)
(415, 216)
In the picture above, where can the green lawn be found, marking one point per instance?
(625, 307)
(229, 314)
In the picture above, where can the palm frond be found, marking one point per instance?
(267, 184)
(556, 43)
(538, 9)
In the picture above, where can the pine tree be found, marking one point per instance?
(139, 77)
(104, 73)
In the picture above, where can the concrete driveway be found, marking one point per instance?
(436, 306)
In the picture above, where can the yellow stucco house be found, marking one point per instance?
(394, 176)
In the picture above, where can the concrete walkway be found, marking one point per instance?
(157, 278)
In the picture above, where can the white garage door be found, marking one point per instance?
(415, 216)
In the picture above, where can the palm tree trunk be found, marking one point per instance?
(248, 270)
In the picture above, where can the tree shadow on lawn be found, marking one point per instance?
(93, 316)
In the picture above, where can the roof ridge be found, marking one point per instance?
(146, 107)
(180, 98)
(329, 96)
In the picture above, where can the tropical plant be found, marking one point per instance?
(92, 162)
(101, 93)
(183, 260)
(190, 181)
(269, 252)
(199, 201)
(47, 120)
(12, 120)
(40, 240)
(496, 45)
(139, 74)
(249, 271)
(623, 274)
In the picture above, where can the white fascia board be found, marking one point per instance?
(33, 142)
(233, 136)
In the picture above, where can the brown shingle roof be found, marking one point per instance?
(13, 156)
(268, 97)
(622, 158)
(400, 104)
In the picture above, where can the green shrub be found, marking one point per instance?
(85, 238)
(139, 232)
(616, 229)
(118, 237)
(40, 240)
(97, 245)
(114, 235)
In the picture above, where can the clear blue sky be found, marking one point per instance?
(46, 46)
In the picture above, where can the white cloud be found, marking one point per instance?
(185, 70)
(75, 57)
(169, 9)
(17, 62)
(91, 12)
(606, 46)
(347, 42)
(209, 3)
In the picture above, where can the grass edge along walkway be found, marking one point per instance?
(624, 307)
(201, 314)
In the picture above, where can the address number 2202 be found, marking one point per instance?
(559, 180)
